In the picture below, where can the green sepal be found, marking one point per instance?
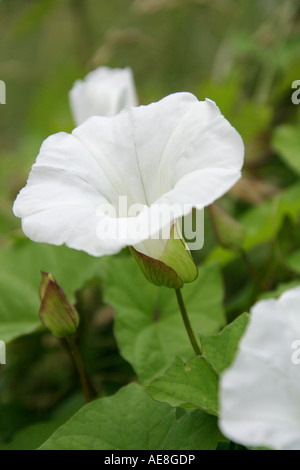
(156, 271)
(174, 267)
(178, 257)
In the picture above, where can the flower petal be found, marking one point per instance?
(60, 201)
(103, 92)
(184, 136)
(177, 152)
(260, 393)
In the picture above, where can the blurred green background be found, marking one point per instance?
(245, 55)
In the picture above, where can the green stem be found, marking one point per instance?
(80, 367)
(187, 323)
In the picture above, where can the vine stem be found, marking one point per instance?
(80, 367)
(187, 323)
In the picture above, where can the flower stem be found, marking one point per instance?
(187, 323)
(80, 367)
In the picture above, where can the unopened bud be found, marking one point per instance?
(56, 312)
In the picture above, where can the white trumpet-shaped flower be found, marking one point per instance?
(177, 152)
(103, 92)
(260, 392)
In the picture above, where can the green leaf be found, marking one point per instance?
(131, 420)
(263, 223)
(127, 420)
(251, 119)
(193, 385)
(33, 436)
(286, 142)
(194, 431)
(14, 417)
(230, 233)
(221, 349)
(294, 261)
(148, 326)
(20, 277)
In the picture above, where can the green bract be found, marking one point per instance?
(173, 268)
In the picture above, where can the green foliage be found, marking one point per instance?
(146, 315)
(130, 420)
(220, 350)
(194, 431)
(294, 261)
(34, 436)
(193, 384)
(21, 264)
(263, 223)
(286, 142)
(245, 56)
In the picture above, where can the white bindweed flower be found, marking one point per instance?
(103, 92)
(260, 392)
(162, 159)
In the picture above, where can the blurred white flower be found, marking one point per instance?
(178, 151)
(260, 392)
(103, 92)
